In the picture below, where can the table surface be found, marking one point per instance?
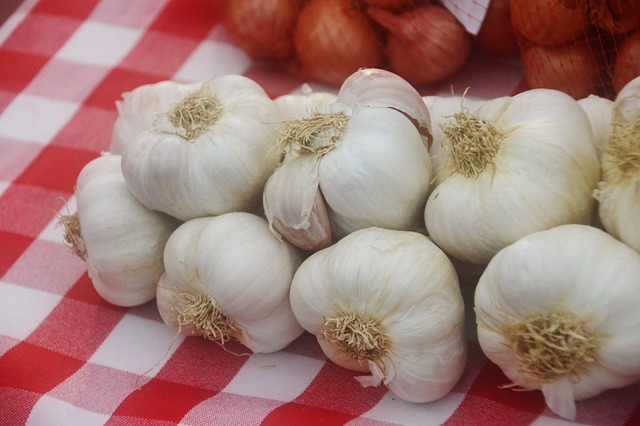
(66, 356)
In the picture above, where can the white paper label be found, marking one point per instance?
(470, 13)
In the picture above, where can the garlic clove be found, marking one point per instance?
(559, 397)
(375, 87)
(139, 109)
(294, 205)
(297, 106)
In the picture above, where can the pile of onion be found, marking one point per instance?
(328, 40)
(581, 47)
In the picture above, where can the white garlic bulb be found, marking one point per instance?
(138, 110)
(121, 241)
(558, 311)
(387, 303)
(600, 113)
(516, 165)
(357, 161)
(442, 110)
(228, 277)
(619, 192)
(211, 153)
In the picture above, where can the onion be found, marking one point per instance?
(548, 22)
(496, 35)
(627, 64)
(615, 16)
(573, 69)
(390, 4)
(425, 44)
(333, 39)
(262, 28)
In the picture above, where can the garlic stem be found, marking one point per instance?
(195, 113)
(316, 134)
(72, 235)
(552, 346)
(199, 310)
(361, 338)
(473, 143)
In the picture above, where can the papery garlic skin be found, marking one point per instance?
(574, 269)
(218, 169)
(139, 109)
(299, 105)
(618, 193)
(407, 289)
(123, 240)
(242, 268)
(541, 173)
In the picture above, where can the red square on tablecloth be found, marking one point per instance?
(42, 34)
(115, 83)
(194, 18)
(162, 400)
(90, 129)
(159, 53)
(77, 9)
(13, 245)
(30, 367)
(56, 168)
(24, 67)
(26, 210)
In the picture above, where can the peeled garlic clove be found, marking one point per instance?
(386, 303)
(228, 278)
(375, 87)
(121, 241)
(139, 109)
(558, 311)
(211, 153)
(294, 205)
(517, 165)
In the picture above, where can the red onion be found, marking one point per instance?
(333, 39)
(496, 35)
(548, 22)
(627, 64)
(262, 28)
(424, 45)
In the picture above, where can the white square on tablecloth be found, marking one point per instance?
(281, 376)
(137, 345)
(3, 187)
(22, 309)
(213, 59)
(35, 119)
(95, 43)
(53, 412)
(394, 410)
(549, 421)
(137, 14)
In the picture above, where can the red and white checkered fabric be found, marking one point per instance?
(69, 358)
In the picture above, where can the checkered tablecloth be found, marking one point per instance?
(69, 358)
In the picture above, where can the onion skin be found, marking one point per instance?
(496, 35)
(627, 64)
(262, 28)
(548, 22)
(573, 69)
(615, 16)
(396, 5)
(425, 44)
(333, 39)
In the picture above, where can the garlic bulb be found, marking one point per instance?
(138, 110)
(211, 153)
(121, 241)
(386, 302)
(600, 113)
(516, 165)
(357, 161)
(442, 110)
(300, 105)
(558, 311)
(619, 192)
(228, 277)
